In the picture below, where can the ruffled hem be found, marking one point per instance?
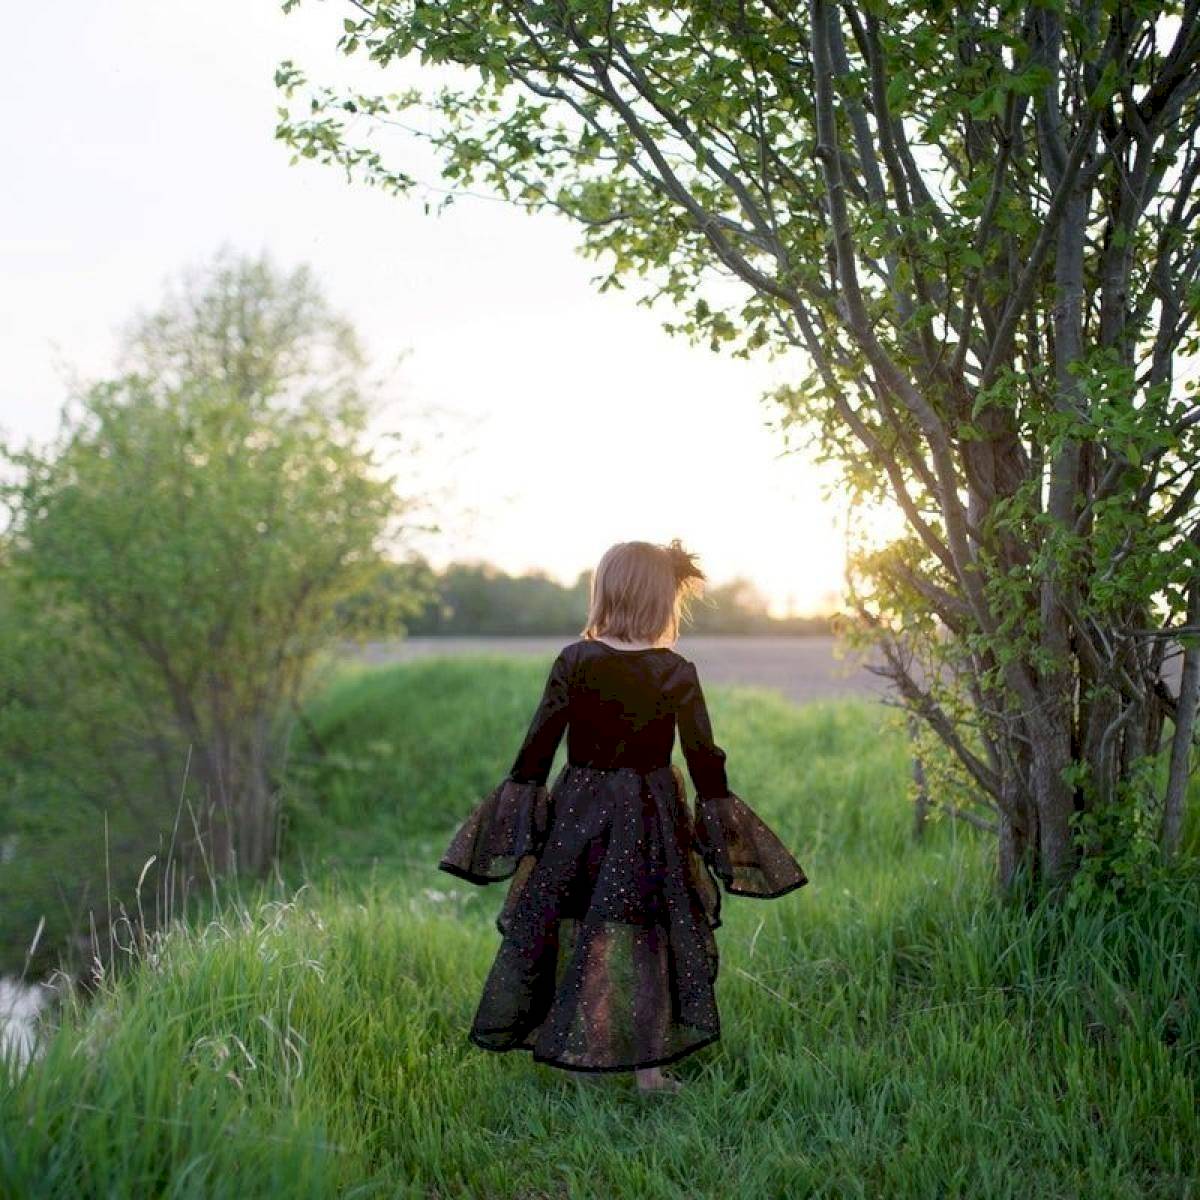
(508, 825)
(593, 994)
(481, 1041)
(743, 851)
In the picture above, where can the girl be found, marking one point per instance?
(607, 957)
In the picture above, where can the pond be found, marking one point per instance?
(20, 1004)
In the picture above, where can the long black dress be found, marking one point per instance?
(607, 958)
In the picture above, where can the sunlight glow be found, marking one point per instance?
(568, 419)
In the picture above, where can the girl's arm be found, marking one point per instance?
(742, 850)
(512, 820)
(534, 759)
(705, 759)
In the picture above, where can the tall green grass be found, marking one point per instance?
(889, 1030)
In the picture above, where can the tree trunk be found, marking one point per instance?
(242, 820)
(1181, 741)
(1055, 803)
(1018, 839)
(921, 802)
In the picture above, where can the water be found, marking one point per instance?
(20, 1004)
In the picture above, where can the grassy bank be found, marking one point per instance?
(888, 1030)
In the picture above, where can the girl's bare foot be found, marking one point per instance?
(655, 1079)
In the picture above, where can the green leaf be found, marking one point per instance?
(1105, 87)
(979, 105)
(1032, 80)
(897, 91)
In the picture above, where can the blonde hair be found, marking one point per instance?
(639, 592)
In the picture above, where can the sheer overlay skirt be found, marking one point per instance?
(607, 960)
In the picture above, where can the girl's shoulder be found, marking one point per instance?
(662, 654)
(659, 667)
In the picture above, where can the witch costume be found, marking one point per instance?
(607, 959)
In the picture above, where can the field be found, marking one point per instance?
(889, 1030)
(801, 668)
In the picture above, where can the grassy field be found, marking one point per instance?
(887, 1031)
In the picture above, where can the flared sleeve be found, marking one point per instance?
(742, 850)
(512, 820)
(509, 823)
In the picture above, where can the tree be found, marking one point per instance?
(977, 221)
(197, 521)
(737, 606)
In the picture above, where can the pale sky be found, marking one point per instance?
(554, 420)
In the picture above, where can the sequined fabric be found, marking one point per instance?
(509, 825)
(607, 959)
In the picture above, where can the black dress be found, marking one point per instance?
(607, 957)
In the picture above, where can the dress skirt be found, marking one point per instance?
(607, 959)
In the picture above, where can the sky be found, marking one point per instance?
(546, 420)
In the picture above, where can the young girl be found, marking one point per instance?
(607, 958)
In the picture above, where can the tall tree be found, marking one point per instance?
(977, 220)
(196, 522)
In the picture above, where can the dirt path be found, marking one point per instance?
(801, 668)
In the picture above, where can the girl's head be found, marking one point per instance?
(639, 592)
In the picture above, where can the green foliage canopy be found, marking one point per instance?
(173, 562)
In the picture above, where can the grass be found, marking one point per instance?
(889, 1030)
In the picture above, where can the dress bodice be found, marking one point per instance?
(621, 708)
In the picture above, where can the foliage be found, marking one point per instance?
(171, 569)
(480, 599)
